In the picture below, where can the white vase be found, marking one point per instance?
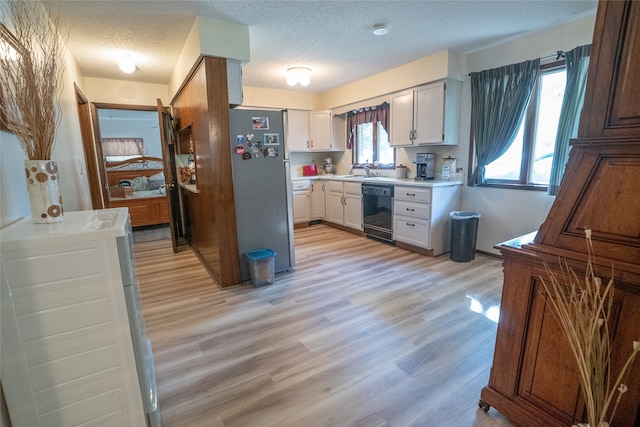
(44, 191)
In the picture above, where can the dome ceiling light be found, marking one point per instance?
(126, 64)
(380, 29)
(301, 75)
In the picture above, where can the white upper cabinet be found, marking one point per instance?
(297, 128)
(401, 116)
(426, 115)
(234, 82)
(320, 130)
(314, 131)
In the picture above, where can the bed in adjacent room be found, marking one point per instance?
(138, 184)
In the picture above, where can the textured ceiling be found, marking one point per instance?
(333, 38)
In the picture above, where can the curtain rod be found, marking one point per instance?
(558, 55)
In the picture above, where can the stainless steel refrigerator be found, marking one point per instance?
(262, 186)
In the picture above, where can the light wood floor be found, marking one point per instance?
(359, 334)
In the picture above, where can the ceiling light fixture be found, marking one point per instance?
(380, 29)
(126, 64)
(297, 75)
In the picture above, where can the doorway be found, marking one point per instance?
(130, 158)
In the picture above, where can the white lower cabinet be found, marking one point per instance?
(301, 201)
(421, 216)
(344, 203)
(317, 200)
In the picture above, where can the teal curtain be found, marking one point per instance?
(577, 67)
(499, 99)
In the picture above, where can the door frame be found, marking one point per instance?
(100, 168)
(95, 177)
(96, 169)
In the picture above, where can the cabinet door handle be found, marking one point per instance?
(411, 209)
(410, 224)
(411, 194)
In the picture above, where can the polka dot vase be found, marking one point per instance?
(44, 191)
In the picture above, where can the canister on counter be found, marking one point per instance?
(448, 167)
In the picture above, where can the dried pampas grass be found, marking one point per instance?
(582, 309)
(31, 68)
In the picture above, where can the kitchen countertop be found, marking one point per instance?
(189, 187)
(382, 179)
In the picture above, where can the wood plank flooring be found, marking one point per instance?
(359, 333)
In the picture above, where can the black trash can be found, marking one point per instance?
(464, 231)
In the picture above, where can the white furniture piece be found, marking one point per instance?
(427, 114)
(421, 216)
(74, 347)
(317, 200)
(344, 203)
(301, 200)
(312, 131)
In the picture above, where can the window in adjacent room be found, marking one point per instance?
(528, 159)
(120, 149)
(372, 146)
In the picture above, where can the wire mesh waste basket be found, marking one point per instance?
(262, 266)
(464, 232)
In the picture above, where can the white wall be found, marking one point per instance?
(125, 92)
(138, 125)
(507, 213)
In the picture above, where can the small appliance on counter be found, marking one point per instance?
(310, 170)
(328, 165)
(425, 166)
(448, 167)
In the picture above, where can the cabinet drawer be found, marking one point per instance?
(412, 209)
(353, 188)
(302, 184)
(413, 194)
(335, 186)
(412, 231)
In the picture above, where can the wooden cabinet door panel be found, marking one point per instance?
(548, 378)
(612, 100)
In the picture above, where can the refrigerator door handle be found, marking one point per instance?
(285, 142)
(289, 189)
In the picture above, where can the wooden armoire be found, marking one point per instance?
(533, 380)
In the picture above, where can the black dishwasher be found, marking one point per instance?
(377, 211)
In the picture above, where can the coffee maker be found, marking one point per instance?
(425, 166)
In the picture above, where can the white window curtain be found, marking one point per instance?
(123, 147)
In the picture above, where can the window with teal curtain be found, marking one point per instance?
(499, 99)
(577, 61)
